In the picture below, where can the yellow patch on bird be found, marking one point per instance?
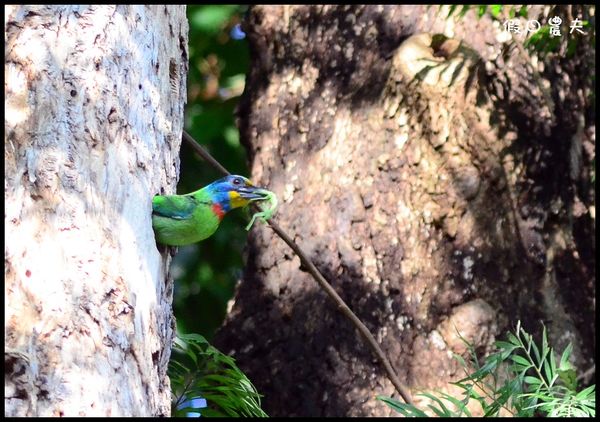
(236, 200)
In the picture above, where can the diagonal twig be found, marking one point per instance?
(204, 153)
(316, 274)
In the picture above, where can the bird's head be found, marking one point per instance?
(235, 191)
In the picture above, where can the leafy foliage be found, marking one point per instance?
(211, 18)
(205, 273)
(200, 371)
(520, 377)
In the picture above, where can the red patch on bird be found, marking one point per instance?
(218, 210)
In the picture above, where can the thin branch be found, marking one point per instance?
(204, 153)
(344, 309)
(314, 272)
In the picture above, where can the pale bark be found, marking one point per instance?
(94, 115)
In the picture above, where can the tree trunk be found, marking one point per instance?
(94, 115)
(428, 180)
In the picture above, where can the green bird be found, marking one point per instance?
(183, 219)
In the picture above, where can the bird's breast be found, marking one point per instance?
(218, 210)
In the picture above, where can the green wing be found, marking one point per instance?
(183, 219)
(177, 207)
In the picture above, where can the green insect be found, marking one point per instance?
(183, 219)
(265, 213)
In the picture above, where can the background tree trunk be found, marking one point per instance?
(461, 201)
(94, 115)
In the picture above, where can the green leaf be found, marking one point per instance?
(403, 408)
(515, 386)
(460, 405)
(523, 12)
(437, 411)
(215, 377)
(235, 82)
(177, 366)
(504, 345)
(564, 358)
(496, 9)
(520, 360)
(521, 394)
(537, 37)
(460, 359)
(552, 358)
(193, 356)
(532, 380)
(531, 345)
(481, 9)
(211, 18)
(452, 9)
(443, 410)
(583, 394)
(571, 49)
(515, 341)
(545, 348)
(464, 10)
(547, 368)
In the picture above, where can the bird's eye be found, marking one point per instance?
(237, 181)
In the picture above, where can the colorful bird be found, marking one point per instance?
(183, 219)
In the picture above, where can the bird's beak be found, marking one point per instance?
(253, 193)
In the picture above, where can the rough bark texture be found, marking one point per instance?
(432, 199)
(94, 115)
